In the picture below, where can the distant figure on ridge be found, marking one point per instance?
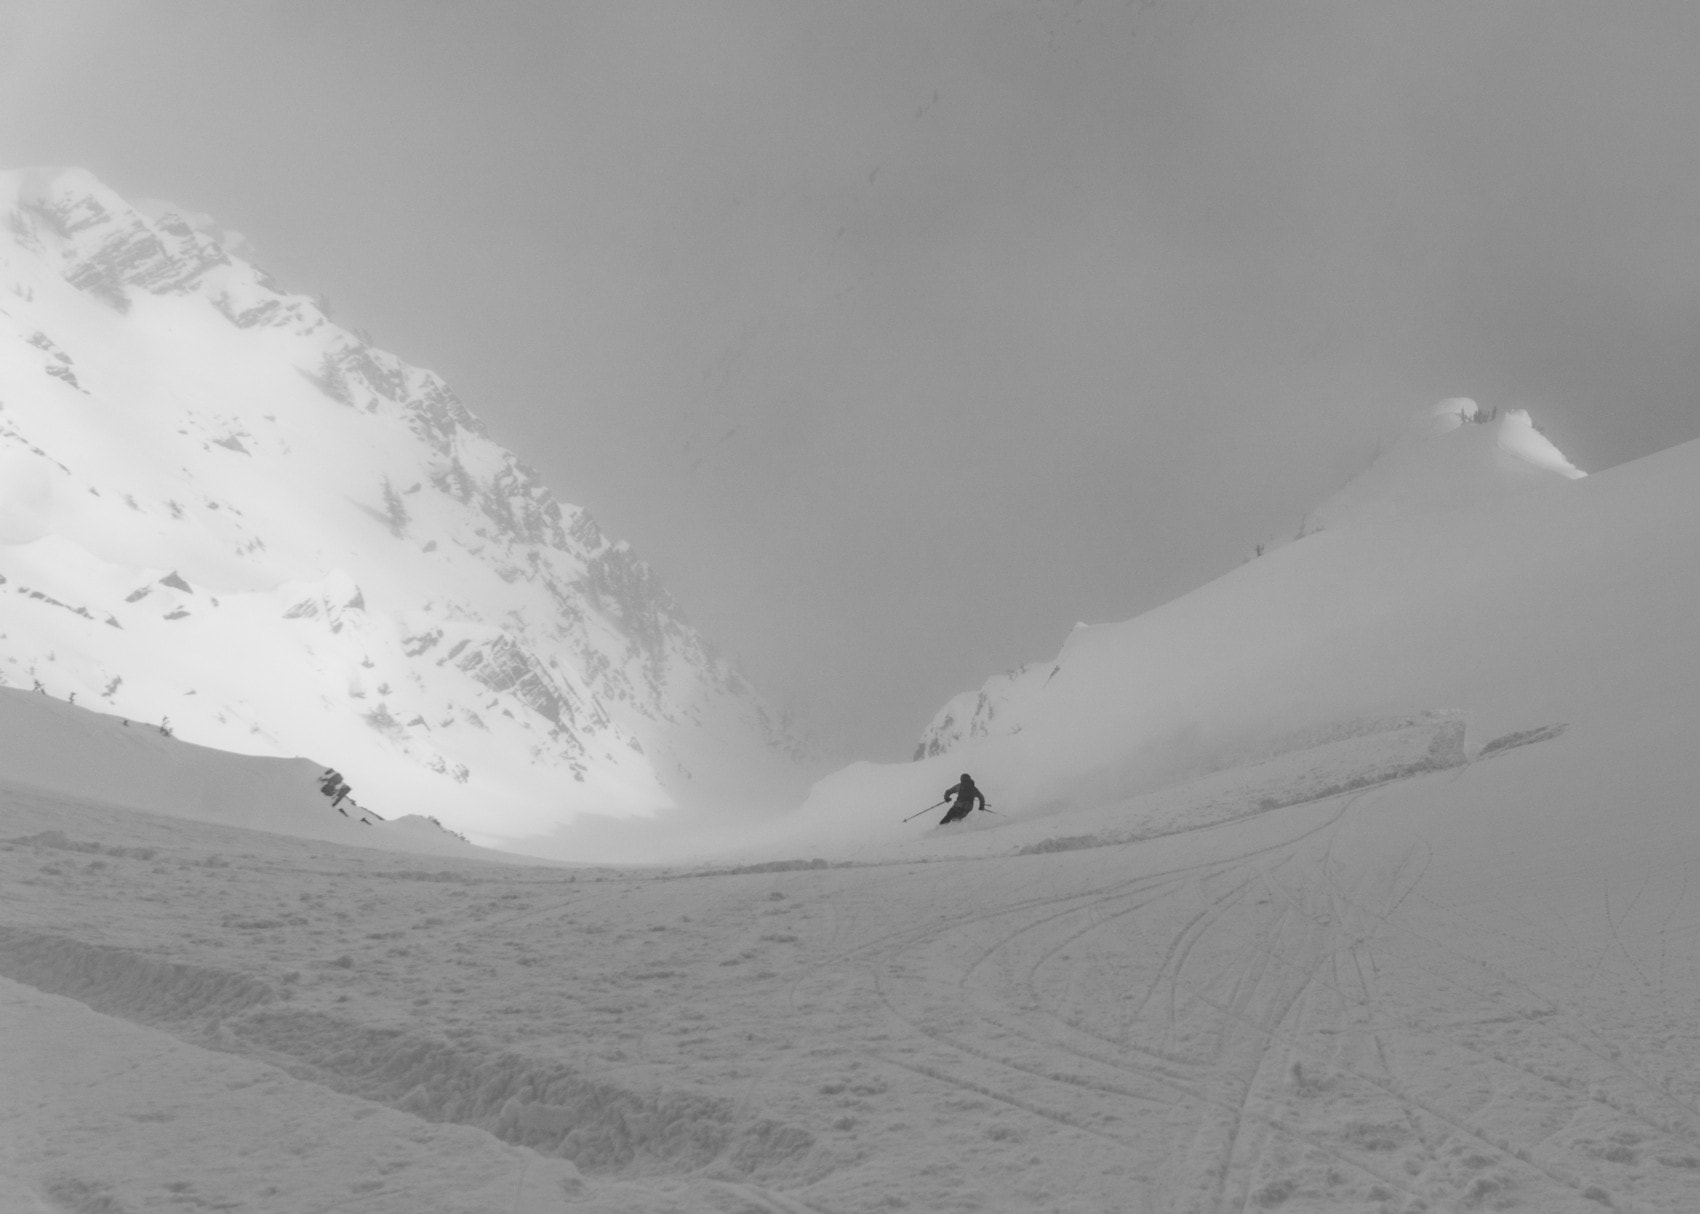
(966, 794)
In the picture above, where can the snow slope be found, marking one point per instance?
(1451, 457)
(1450, 577)
(1384, 906)
(71, 754)
(1464, 989)
(220, 507)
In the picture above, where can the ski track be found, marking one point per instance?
(1602, 1049)
(1233, 1103)
(1265, 1030)
(1222, 1023)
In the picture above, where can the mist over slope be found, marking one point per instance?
(221, 508)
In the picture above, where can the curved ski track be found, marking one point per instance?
(1241, 1006)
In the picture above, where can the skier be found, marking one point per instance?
(966, 794)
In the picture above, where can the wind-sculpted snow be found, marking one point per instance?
(1451, 456)
(165, 408)
(52, 748)
(550, 1108)
(1308, 767)
(121, 983)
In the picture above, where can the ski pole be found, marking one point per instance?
(929, 809)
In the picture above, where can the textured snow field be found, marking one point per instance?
(1471, 989)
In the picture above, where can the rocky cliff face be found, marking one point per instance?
(218, 506)
(974, 714)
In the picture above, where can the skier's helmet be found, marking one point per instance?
(966, 778)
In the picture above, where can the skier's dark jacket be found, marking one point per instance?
(966, 795)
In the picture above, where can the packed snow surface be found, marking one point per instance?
(1469, 987)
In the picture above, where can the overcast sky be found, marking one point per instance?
(900, 336)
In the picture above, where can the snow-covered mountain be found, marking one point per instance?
(1454, 456)
(218, 507)
(974, 714)
(1471, 577)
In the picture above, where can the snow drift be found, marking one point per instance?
(58, 750)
